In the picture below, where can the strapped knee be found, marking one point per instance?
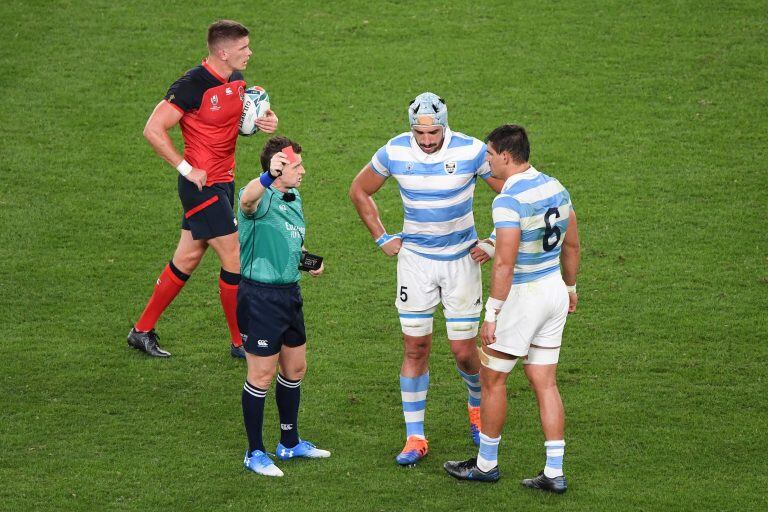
(496, 364)
(417, 323)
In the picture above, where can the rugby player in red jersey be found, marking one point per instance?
(207, 103)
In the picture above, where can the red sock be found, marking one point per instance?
(167, 288)
(228, 296)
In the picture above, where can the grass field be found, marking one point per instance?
(653, 114)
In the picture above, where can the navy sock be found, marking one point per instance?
(178, 273)
(253, 415)
(288, 395)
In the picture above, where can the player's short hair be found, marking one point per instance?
(225, 30)
(274, 145)
(511, 138)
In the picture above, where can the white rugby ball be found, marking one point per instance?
(255, 105)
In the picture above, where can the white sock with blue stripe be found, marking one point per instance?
(488, 454)
(414, 394)
(555, 453)
(473, 387)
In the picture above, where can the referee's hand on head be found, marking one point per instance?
(277, 163)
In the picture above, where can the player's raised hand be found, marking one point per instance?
(488, 333)
(268, 123)
(573, 299)
(198, 177)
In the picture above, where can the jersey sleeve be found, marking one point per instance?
(380, 162)
(482, 168)
(184, 95)
(506, 212)
(567, 196)
(241, 215)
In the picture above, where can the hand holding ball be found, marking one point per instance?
(255, 106)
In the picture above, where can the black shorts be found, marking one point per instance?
(270, 316)
(208, 213)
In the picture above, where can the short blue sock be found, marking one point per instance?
(555, 453)
(488, 454)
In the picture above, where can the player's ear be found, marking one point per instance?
(220, 51)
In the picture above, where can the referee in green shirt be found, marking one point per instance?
(269, 304)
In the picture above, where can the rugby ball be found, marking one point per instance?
(255, 105)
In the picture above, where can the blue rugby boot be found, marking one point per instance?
(416, 448)
(558, 484)
(303, 449)
(468, 470)
(260, 463)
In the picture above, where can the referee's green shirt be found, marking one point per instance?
(271, 239)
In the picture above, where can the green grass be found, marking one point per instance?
(653, 114)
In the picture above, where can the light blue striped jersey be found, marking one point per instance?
(540, 207)
(437, 191)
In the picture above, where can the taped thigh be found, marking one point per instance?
(494, 363)
(461, 327)
(542, 355)
(417, 323)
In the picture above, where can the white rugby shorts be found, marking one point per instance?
(422, 283)
(532, 319)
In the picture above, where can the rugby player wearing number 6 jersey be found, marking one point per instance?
(536, 235)
(207, 103)
(437, 257)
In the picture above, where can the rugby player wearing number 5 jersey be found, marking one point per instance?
(207, 103)
(437, 257)
(536, 236)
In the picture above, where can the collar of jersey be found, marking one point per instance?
(421, 156)
(213, 73)
(528, 174)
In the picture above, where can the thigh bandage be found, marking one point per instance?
(462, 328)
(417, 323)
(543, 355)
(496, 364)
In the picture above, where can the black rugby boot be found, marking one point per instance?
(558, 485)
(468, 470)
(146, 342)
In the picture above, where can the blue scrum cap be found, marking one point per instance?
(428, 109)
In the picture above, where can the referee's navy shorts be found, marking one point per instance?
(208, 213)
(270, 316)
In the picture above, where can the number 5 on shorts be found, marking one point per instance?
(403, 294)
